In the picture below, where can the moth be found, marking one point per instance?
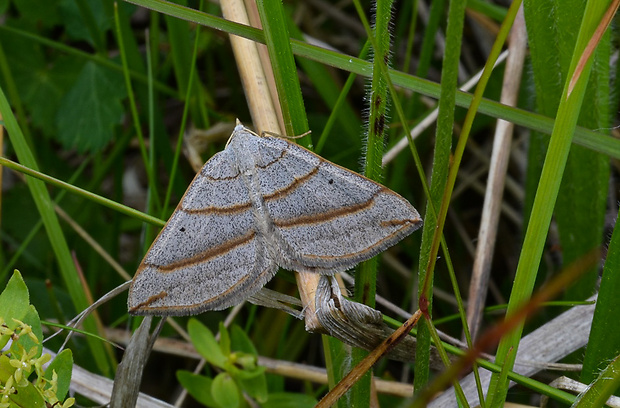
(261, 204)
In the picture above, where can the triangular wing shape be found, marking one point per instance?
(207, 256)
(326, 218)
(261, 203)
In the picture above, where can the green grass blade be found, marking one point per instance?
(188, 94)
(132, 101)
(183, 62)
(439, 177)
(546, 69)
(604, 342)
(283, 64)
(604, 387)
(366, 274)
(83, 193)
(335, 99)
(584, 187)
(544, 201)
(586, 180)
(436, 13)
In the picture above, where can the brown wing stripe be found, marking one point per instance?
(283, 192)
(394, 223)
(328, 215)
(233, 287)
(208, 177)
(233, 209)
(219, 297)
(150, 300)
(208, 254)
(282, 154)
(369, 249)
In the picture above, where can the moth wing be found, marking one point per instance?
(207, 256)
(327, 218)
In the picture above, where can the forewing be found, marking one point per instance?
(207, 256)
(328, 218)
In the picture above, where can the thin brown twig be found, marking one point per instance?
(359, 370)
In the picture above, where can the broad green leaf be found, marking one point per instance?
(43, 88)
(28, 396)
(224, 340)
(225, 392)
(63, 365)
(289, 400)
(240, 341)
(205, 343)
(247, 373)
(6, 369)
(90, 110)
(256, 386)
(25, 61)
(39, 13)
(198, 387)
(75, 24)
(32, 319)
(14, 301)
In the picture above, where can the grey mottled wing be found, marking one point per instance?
(327, 218)
(207, 256)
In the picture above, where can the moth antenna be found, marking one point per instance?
(266, 132)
